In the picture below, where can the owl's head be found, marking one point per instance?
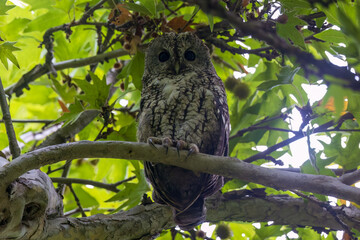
(174, 54)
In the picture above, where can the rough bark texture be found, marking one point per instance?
(26, 204)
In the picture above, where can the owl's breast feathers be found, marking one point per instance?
(190, 106)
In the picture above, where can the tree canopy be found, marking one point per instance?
(70, 93)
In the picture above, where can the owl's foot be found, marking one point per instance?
(179, 144)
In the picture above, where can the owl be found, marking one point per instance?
(183, 103)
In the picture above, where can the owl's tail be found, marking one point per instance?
(192, 216)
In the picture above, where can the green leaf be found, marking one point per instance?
(76, 109)
(133, 192)
(135, 68)
(346, 157)
(285, 76)
(211, 22)
(52, 18)
(295, 4)
(95, 94)
(332, 35)
(66, 93)
(137, 8)
(6, 50)
(4, 8)
(39, 4)
(150, 5)
(289, 30)
(85, 198)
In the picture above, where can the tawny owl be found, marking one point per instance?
(183, 101)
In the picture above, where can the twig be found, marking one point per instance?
(14, 147)
(89, 12)
(77, 200)
(261, 122)
(111, 187)
(262, 155)
(49, 171)
(167, 7)
(61, 187)
(77, 210)
(30, 121)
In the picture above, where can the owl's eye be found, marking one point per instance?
(189, 55)
(164, 56)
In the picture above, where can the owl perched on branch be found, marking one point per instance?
(183, 104)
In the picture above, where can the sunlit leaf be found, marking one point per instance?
(6, 50)
(4, 8)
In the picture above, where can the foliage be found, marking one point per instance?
(276, 76)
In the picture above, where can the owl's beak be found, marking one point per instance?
(177, 67)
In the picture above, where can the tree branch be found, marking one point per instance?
(150, 220)
(257, 30)
(111, 187)
(40, 70)
(14, 147)
(225, 166)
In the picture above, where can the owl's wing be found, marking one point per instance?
(222, 147)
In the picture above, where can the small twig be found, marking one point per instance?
(263, 121)
(262, 155)
(190, 21)
(167, 7)
(89, 12)
(49, 171)
(29, 121)
(77, 210)
(329, 208)
(111, 187)
(61, 187)
(14, 147)
(77, 200)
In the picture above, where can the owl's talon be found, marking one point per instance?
(180, 145)
(193, 148)
(151, 142)
(167, 142)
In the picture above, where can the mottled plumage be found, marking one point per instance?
(183, 99)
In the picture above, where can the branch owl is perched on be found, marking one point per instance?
(183, 101)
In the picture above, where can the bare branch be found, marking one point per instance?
(14, 147)
(29, 121)
(111, 187)
(150, 220)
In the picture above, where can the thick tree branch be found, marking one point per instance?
(149, 220)
(225, 166)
